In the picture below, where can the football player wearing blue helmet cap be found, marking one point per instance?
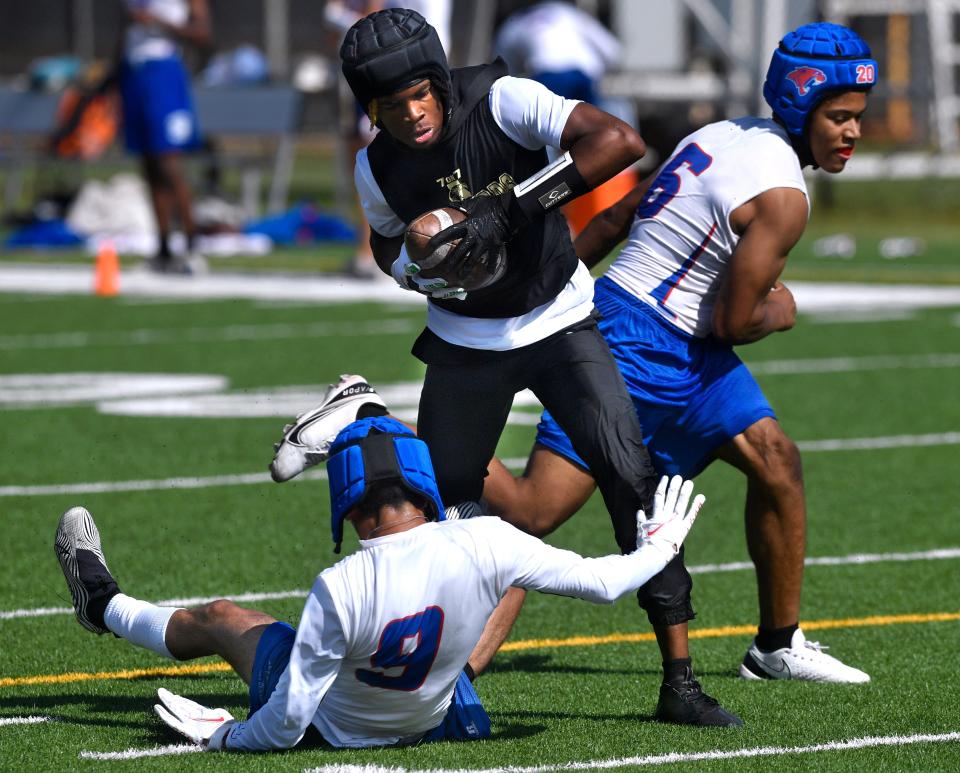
(707, 238)
(383, 451)
(819, 63)
(382, 651)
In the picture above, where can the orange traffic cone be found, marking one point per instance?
(106, 272)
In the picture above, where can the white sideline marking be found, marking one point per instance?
(873, 443)
(855, 558)
(940, 554)
(32, 720)
(148, 336)
(848, 364)
(103, 487)
(255, 478)
(46, 390)
(194, 601)
(134, 754)
(665, 759)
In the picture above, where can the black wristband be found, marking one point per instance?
(555, 184)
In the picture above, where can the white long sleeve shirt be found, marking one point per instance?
(386, 631)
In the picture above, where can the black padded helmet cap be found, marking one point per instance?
(389, 50)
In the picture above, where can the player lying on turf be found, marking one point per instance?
(378, 657)
(706, 242)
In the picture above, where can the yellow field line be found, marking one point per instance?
(510, 646)
(130, 673)
(728, 630)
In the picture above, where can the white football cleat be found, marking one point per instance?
(803, 660)
(307, 441)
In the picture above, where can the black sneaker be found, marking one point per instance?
(84, 568)
(685, 703)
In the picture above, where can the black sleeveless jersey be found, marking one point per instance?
(472, 155)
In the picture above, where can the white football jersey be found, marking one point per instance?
(556, 37)
(385, 632)
(144, 42)
(681, 239)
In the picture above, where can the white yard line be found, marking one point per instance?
(136, 754)
(851, 364)
(666, 759)
(257, 478)
(856, 558)
(32, 720)
(852, 744)
(940, 554)
(877, 443)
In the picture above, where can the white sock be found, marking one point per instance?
(139, 622)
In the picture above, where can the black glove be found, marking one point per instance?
(482, 235)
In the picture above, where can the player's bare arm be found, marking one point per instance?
(600, 144)
(751, 303)
(607, 229)
(597, 146)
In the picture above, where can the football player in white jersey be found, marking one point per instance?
(159, 120)
(707, 240)
(379, 655)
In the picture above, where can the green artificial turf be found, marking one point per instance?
(550, 705)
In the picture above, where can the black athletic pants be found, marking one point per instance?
(468, 393)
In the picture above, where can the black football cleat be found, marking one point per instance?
(84, 568)
(684, 702)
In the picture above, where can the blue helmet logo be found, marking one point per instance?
(812, 62)
(377, 450)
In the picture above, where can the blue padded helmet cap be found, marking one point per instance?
(813, 61)
(374, 450)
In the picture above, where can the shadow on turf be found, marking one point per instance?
(95, 708)
(542, 664)
(93, 711)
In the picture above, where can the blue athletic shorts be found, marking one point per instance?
(692, 394)
(466, 719)
(158, 114)
(571, 84)
(270, 661)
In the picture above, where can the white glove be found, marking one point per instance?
(404, 272)
(671, 521)
(206, 727)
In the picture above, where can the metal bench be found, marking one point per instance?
(270, 113)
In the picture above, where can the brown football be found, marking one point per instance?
(432, 265)
(427, 225)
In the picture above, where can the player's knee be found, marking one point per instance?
(523, 509)
(779, 465)
(215, 612)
